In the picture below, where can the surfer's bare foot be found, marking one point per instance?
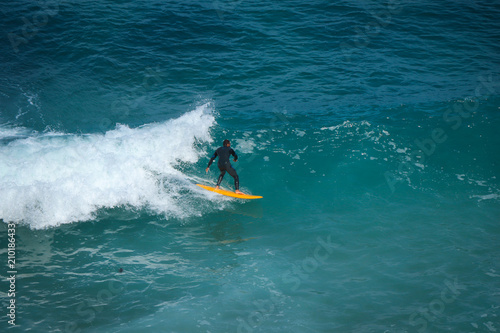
(217, 187)
(238, 192)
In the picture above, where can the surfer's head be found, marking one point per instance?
(226, 143)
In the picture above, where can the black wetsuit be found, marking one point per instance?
(224, 165)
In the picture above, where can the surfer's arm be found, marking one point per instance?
(211, 160)
(234, 154)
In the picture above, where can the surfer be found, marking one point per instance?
(224, 164)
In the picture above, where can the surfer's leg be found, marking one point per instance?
(233, 174)
(222, 173)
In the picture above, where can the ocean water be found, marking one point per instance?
(371, 129)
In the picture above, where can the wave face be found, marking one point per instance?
(47, 179)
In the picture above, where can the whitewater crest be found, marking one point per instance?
(54, 178)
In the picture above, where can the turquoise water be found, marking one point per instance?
(370, 129)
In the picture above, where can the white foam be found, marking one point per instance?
(48, 179)
(347, 124)
(491, 196)
(300, 133)
(246, 145)
(399, 150)
(12, 132)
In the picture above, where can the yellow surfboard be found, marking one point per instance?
(230, 193)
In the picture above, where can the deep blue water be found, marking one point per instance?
(370, 129)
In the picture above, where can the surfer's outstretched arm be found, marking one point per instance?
(211, 161)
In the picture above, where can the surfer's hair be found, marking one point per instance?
(225, 143)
